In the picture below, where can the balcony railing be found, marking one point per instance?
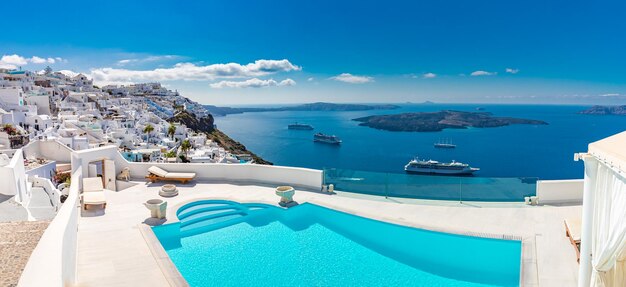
(470, 188)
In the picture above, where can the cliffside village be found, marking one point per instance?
(57, 106)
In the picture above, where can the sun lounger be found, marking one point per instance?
(93, 192)
(572, 231)
(156, 174)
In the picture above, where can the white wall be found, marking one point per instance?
(243, 173)
(13, 178)
(45, 171)
(50, 149)
(53, 262)
(560, 191)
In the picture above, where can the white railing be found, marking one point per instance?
(560, 191)
(53, 262)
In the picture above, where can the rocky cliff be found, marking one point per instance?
(206, 126)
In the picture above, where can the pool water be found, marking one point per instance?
(309, 245)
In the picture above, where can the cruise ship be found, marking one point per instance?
(434, 167)
(444, 144)
(322, 138)
(297, 126)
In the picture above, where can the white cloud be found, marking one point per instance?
(611, 95)
(483, 73)
(193, 72)
(13, 61)
(37, 60)
(352, 79)
(311, 79)
(147, 59)
(252, 83)
(429, 75)
(511, 70)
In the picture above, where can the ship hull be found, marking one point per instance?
(421, 170)
(300, 128)
(444, 146)
(327, 142)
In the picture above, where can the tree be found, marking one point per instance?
(171, 131)
(147, 130)
(185, 146)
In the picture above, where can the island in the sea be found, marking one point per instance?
(605, 110)
(438, 121)
(319, 106)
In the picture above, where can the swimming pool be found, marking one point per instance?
(224, 243)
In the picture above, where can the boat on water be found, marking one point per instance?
(322, 138)
(434, 167)
(297, 126)
(444, 144)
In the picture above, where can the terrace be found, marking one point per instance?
(112, 248)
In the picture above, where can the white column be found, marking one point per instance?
(585, 268)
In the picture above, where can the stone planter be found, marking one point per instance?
(168, 190)
(286, 195)
(157, 207)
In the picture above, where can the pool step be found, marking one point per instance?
(211, 216)
(207, 215)
(201, 209)
(210, 224)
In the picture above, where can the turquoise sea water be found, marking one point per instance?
(313, 246)
(539, 151)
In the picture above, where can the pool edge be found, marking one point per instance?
(167, 267)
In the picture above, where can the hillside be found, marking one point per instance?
(205, 125)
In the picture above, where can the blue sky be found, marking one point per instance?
(350, 51)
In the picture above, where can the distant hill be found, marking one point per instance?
(319, 106)
(605, 110)
(438, 121)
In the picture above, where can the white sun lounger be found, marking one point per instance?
(93, 192)
(156, 174)
(572, 231)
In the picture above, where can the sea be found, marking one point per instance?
(542, 151)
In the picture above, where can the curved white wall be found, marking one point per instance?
(53, 262)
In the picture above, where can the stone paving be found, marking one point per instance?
(11, 210)
(17, 241)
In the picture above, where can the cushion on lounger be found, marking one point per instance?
(188, 175)
(92, 184)
(157, 171)
(573, 225)
(94, 198)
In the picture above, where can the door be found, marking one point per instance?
(109, 175)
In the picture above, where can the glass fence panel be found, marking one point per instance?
(430, 186)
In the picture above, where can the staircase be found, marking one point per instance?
(40, 207)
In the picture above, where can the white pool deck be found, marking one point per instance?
(113, 252)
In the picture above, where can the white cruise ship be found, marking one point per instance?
(322, 138)
(434, 167)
